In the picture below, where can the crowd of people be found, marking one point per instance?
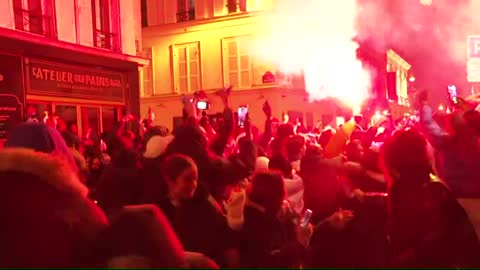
(215, 194)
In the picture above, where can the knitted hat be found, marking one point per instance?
(156, 146)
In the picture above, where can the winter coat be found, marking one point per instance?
(47, 220)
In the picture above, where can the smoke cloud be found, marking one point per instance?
(430, 34)
(314, 38)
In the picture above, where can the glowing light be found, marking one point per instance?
(411, 79)
(426, 2)
(313, 38)
(385, 112)
(441, 108)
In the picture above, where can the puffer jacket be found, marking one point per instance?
(47, 220)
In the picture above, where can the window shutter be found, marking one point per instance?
(244, 63)
(194, 68)
(232, 63)
(186, 67)
(148, 73)
(183, 69)
(175, 69)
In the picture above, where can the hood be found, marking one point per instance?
(54, 171)
(41, 138)
(156, 146)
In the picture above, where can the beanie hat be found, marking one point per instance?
(262, 163)
(156, 146)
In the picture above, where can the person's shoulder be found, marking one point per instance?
(437, 192)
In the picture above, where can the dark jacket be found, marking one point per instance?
(266, 242)
(429, 228)
(201, 226)
(47, 220)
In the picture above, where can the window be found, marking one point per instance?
(185, 10)
(102, 34)
(144, 13)
(35, 16)
(148, 80)
(236, 5)
(186, 67)
(237, 63)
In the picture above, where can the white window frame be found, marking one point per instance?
(149, 73)
(226, 67)
(174, 53)
(26, 24)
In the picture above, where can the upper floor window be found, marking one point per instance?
(186, 67)
(148, 78)
(103, 36)
(236, 5)
(35, 16)
(185, 10)
(237, 63)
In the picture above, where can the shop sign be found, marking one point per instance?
(53, 79)
(11, 93)
(268, 77)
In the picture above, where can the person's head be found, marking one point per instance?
(128, 140)
(40, 138)
(70, 139)
(181, 176)
(314, 150)
(73, 128)
(268, 190)
(457, 125)
(295, 147)
(285, 130)
(355, 151)
(406, 157)
(279, 162)
(61, 125)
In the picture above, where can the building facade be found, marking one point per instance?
(77, 59)
(204, 45)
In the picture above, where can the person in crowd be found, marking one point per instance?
(73, 145)
(457, 148)
(155, 244)
(429, 228)
(42, 138)
(121, 183)
(266, 240)
(295, 150)
(47, 219)
(197, 218)
(293, 183)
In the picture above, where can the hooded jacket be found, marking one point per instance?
(41, 138)
(47, 220)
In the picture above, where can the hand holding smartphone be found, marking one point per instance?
(452, 93)
(242, 115)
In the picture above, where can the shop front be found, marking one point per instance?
(85, 99)
(87, 88)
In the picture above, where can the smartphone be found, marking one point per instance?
(452, 93)
(306, 218)
(202, 105)
(242, 115)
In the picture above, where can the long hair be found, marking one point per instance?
(268, 190)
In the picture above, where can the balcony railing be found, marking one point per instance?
(106, 40)
(27, 21)
(187, 15)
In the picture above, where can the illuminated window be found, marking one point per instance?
(103, 37)
(185, 10)
(236, 5)
(35, 16)
(237, 63)
(148, 79)
(186, 67)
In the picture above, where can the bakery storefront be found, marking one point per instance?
(89, 98)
